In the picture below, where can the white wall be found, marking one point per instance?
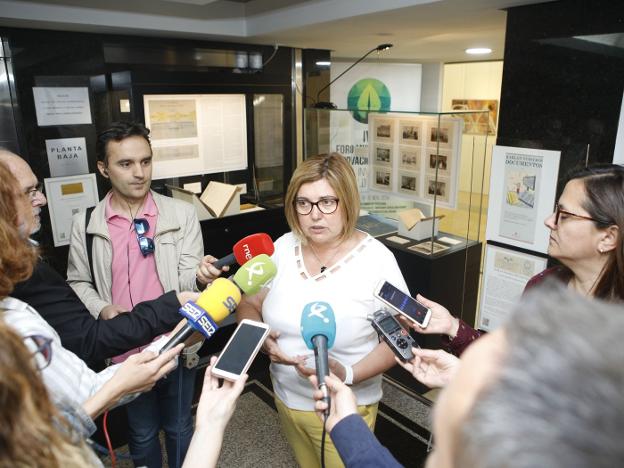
(474, 80)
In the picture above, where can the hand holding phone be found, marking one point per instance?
(402, 303)
(241, 349)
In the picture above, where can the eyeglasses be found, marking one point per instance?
(559, 212)
(41, 347)
(325, 205)
(32, 193)
(146, 244)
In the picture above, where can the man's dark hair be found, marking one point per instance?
(119, 131)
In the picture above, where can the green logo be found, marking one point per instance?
(368, 95)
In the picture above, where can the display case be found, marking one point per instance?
(421, 178)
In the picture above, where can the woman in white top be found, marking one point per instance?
(325, 259)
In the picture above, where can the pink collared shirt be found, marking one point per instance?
(134, 277)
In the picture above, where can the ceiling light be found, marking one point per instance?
(322, 63)
(479, 51)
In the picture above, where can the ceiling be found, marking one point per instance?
(421, 30)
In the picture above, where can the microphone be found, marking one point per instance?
(253, 275)
(221, 298)
(215, 303)
(246, 249)
(318, 329)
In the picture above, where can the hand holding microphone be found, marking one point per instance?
(318, 329)
(221, 299)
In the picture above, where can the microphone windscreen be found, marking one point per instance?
(318, 318)
(254, 274)
(252, 246)
(219, 299)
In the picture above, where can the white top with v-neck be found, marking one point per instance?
(348, 287)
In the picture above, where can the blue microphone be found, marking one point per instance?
(318, 329)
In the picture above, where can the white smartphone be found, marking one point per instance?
(402, 303)
(240, 351)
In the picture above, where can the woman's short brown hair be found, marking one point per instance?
(17, 257)
(338, 172)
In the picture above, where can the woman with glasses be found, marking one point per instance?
(585, 237)
(324, 259)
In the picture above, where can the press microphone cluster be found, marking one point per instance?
(318, 329)
(246, 249)
(221, 298)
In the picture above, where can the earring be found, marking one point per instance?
(600, 249)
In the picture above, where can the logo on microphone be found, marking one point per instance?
(230, 304)
(256, 269)
(247, 251)
(316, 310)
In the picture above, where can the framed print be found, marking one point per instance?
(442, 134)
(408, 182)
(410, 132)
(383, 155)
(66, 197)
(382, 178)
(440, 189)
(384, 130)
(523, 197)
(443, 159)
(410, 158)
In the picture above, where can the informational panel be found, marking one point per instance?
(62, 106)
(196, 133)
(522, 194)
(416, 156)
(67, 156)
(505, 274)
(66, 197)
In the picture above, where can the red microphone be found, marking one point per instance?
(246, 249)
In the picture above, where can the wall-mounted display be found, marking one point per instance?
(522, 197)
(66, 197)
(196, 133)
(505, 274)
(422, 156)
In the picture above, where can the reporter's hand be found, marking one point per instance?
(186, 296)
(275, 353)
(335, 367)
(441, 321)
(343, 401)
(141, 371)
(217, 404)
(206, 272)
(432, 367)
(112, 310)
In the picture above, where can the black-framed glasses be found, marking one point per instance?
(325, 205)
(559, 212)
(32, 193)
(146, 244)
(41, 348)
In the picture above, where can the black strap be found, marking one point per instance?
(89, 242)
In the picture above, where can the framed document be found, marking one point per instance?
(66, 197)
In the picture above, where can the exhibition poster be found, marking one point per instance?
(66, 197)
(196, 133)
(523, 197)
(505, 275)
(62, 105)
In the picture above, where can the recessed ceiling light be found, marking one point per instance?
(322, 63)
(479, 51)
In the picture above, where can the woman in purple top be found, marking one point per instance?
(585, 237)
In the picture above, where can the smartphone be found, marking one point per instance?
(402, 303)
(241, 349)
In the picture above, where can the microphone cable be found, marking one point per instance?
(323, 435)
(108, 441)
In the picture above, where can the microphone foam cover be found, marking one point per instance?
(252, 246)
(254, 274)
(318, 318)
(219, 299)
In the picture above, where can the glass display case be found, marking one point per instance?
(421, 178)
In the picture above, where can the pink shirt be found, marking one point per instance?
(134, 277)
